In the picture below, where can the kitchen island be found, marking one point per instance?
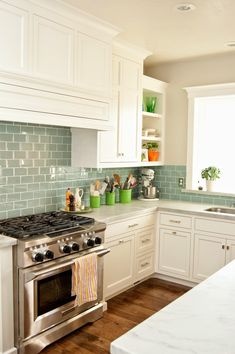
(202, 321)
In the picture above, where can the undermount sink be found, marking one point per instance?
(222, 210)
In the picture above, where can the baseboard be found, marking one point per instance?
(174, 280)
(10, 351)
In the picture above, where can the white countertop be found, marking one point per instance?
(119, 211)
(6, 241)
(201, 321)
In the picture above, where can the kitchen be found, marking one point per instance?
(36, 157)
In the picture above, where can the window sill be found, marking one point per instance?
(196, 191)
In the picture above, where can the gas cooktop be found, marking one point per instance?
(50, 224)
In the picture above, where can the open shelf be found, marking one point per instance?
(151, 115)
(151, 138)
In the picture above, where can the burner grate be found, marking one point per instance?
(44, 223)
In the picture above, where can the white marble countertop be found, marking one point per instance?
(6, 241)
(201, 321)
(119, 211)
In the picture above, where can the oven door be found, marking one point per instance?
(45, 295)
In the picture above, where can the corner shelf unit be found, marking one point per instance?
(156, 120)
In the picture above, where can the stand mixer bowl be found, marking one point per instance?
(150, 192)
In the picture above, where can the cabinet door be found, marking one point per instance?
(174, 253)
(53, 50)
(94, 59)
(209, 255)
(123, 143)
(129, 111)
(14, 39)
(118, 265)
(230, 250)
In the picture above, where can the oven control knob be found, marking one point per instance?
(65, 248)
(37, 257)
(49, 254)
(74, 246)
(90, 242)
(98, 240)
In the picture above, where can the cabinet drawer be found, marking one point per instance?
(144, 266)
(145, 240)
(215, 226)
(118, 228)
(175, 220)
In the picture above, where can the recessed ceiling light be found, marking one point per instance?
(185, 7)
(230, 44)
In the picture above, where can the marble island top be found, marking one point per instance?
(202, 321)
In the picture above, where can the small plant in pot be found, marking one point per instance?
(210, 174)
(153, 152)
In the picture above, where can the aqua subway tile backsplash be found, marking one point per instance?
(35, 169)
(167, 182)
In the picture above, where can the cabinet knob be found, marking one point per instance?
(223, 247)
(121, 241)
(227, 247)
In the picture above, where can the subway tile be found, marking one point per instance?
(39, 178)
(33, 171)
(20, 138)
(40, 130)
(14, 213)
(21, 188)
(6, 155)
(27, 211)
(12, 163)
(11, 197)
(19, 171)
(7, 171)
(19, 154)
(3, 215)
(32, 154)
(26, 179)
(33, 186)
(27, 195)
(27, 129)
(6, 137)
(32, 138)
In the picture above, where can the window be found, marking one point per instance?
(211, 135)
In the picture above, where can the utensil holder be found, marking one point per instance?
(94, 201)
(125, 196)
(110, 198)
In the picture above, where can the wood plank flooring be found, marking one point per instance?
(124, 312)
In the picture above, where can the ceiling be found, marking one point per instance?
(170, 35)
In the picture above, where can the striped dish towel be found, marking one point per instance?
(84, 279)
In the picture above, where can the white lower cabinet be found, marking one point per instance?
(132, 253)
(174, 252)
(119, 265)
(210, 254)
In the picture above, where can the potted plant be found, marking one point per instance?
(210, 174)
(153, 152)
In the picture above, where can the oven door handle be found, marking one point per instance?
(103, 252)
(57, 269)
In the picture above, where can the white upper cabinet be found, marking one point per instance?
(14, 29)
(61, 58)
(53, 57)
(125, 112)
(120, 146)
(94, 65)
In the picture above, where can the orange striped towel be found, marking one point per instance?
(84, 279)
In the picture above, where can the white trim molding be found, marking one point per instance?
(193, 93)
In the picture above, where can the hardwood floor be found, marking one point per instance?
(124, 312)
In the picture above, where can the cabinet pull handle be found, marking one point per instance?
(175, 221)
(146, 240)
(223, 247)
(121, 241)
(132, 225)
(227, 247)
(144, 264)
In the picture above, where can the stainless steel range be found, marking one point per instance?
(47, 247)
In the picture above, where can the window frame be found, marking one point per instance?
(193, 93)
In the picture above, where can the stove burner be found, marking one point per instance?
(45, 223)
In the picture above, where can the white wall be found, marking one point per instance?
(200, 71)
